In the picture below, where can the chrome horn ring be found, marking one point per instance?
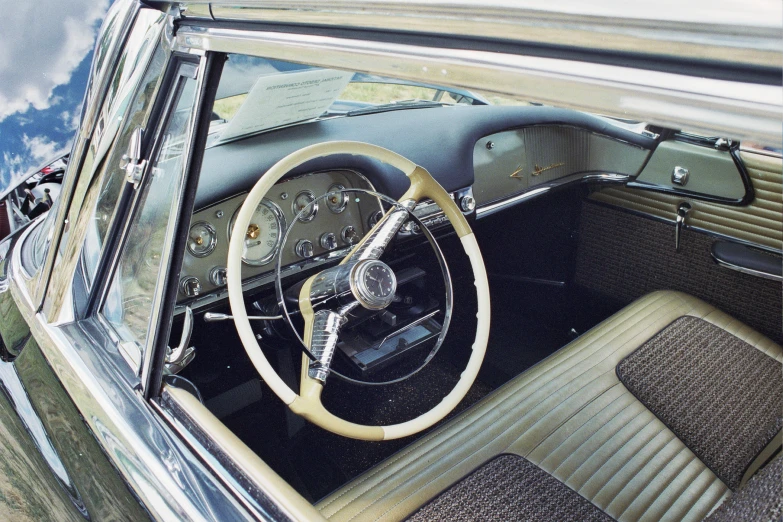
(449, 293)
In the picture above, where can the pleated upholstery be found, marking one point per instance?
(571, 416)
(760, 222)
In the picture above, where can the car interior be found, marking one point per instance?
(632, 369)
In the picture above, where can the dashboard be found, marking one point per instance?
(318, 211)
(487, 157)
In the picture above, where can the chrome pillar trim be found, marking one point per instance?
(740, 110)
(114, 31)
(540, 190)
(749, 271)
(149, 349)
(721, 30)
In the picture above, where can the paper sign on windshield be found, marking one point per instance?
(281, 99)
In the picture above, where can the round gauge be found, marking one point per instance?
(336, 199)
(263, 234)
(201, 239)
(305, 201)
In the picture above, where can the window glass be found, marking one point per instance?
(113, 177)
(128, 306)
(257, 94)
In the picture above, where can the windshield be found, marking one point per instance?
(257, 94)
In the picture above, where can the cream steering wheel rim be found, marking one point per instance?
(307, 403)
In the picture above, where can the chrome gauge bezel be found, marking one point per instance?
(212, 242)
(338, 188)
(310, 215)
(281, 222)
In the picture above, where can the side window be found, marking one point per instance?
(135, 115)
(139, 72)
(128, 306)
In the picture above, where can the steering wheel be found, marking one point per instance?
(349, 279)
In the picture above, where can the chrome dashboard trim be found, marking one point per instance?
(745, 270)
(733, 108)
(540, 190)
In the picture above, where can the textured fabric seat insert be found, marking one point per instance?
(509, 488)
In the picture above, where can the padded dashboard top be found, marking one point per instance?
(440, 139)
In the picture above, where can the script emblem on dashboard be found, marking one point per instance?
(538, 170)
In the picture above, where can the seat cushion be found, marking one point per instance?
(759, 499)
(509, 488)
(572, 417)
(718, 394)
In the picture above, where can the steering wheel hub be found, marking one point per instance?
(373, 284)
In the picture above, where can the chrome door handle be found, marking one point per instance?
(679, 224)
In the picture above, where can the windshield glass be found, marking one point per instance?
(256, 94)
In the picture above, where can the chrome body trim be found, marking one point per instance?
(232, 481)
(540, 190)
(722, 30)
(162, 472)
(737, 109)
(15, 391)
(745, 270)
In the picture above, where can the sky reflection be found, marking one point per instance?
(45, 55)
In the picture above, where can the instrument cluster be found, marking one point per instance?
(318, 211)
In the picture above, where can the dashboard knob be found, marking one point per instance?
(328, 241)
(217, 276)
(349, 235)
(468, 204)
(304, 248)
(190, 286)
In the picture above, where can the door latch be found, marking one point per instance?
(132, 162)
(179, 357)
(679, 224)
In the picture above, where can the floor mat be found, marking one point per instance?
(721, 396)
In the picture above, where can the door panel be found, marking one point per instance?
(759, 222)
(625, 256)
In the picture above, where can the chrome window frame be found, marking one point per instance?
(142, 366)
(720, 107)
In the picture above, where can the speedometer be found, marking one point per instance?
(263, 234)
